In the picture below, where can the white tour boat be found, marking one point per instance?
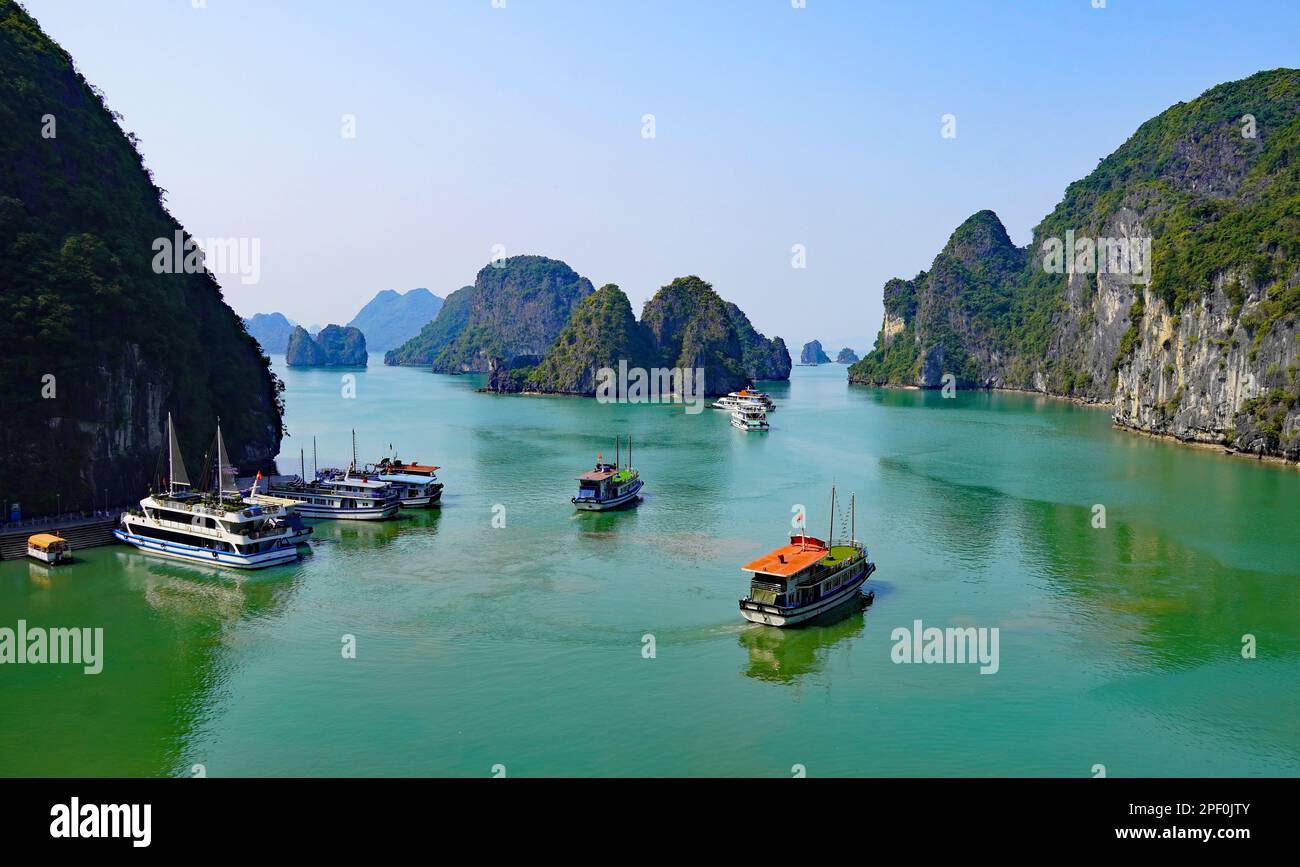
(338, 494)
(749, 418)
(220, 528)
(746, 397)
(417, 484)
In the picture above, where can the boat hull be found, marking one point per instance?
(196, 554)
(380, 513)
(628, 499)
(432, 501)
(772, 615)
(49, 559)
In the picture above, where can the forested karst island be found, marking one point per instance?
(1204, 347)
(99, 347)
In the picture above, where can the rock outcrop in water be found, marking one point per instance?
(846, 356)
(392, 318)
(812, 353)
(98, 347)
(601, 333)
(334, 346)
(686, 325)
(517, 307)
(692, 329)
(1199, 343)
(270, 330)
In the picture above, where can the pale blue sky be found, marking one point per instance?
(522, 126)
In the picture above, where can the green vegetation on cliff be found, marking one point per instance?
(692, 329)
(601, 333)
(763, 358)
(97, 346)
(436, 335)
(334, 346)
(518, 307)
(1218, 192)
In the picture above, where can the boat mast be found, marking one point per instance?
(302, 464)
(853, 519)
(629, 451)
(171, 438)
(831, 532)
(220, 449)
(352, 469)
(617, 457)
(314, 471)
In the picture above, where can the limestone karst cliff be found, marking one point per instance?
(1165, 285)
(99, 346)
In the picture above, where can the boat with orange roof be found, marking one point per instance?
(608, 486)
(417, 484)
(808, 577)
(746, 398)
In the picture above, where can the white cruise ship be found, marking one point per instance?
(220, 528)
(338, 495)
(744, 399)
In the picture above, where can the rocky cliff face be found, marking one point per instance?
(518, 307)
(98, 345)
(435, 336)
(1166, 284)
(692, 330)
(763, 359)
(812, 353)
(601, 333)
(334, 346)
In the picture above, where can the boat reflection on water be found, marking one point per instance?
(787, 655)
(375, 534)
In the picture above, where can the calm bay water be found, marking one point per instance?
(522, 645)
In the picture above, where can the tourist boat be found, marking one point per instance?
(808, 577)
(608, 487)
(417, 484)
(221, 527)
(49, 549)
(298, 529)
(749, 418)
(338, 494)
(746, 397)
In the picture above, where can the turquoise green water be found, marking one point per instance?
(522, 645)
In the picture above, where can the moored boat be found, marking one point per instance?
(338, 494)
(746, 397)
(219, 527)
(49, 548)
(807, 578)
(751, 418)
(607, 486)
(417, 484)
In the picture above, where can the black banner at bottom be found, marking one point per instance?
(125, 816)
